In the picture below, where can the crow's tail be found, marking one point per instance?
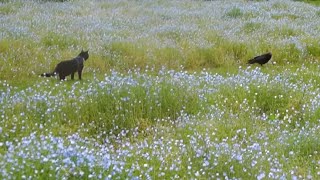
(251, 61)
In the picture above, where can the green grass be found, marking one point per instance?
(234, 13)
(166, 92)
(251, 26)
(314, 2)
(7, 9)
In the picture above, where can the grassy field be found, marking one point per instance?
(166, 92)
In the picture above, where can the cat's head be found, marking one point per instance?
(84, 54)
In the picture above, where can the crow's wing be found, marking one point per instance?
(260, 58)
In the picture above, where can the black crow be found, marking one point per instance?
(262, 59)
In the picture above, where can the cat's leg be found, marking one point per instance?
(72, 75)
(79, 74)
(62, 77)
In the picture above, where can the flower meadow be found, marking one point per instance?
(166, 92)
(172, 124)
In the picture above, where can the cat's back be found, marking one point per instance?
(67, 65)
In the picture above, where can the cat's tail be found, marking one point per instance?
(48, 74)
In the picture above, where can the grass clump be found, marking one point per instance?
(314, 2)
(6, 8)
(61, 41)
(274, 101)
(54, 0)
(303, 145)
(168, 57)
(222, 52)
(127, 55)
(287, 54)
(286, 32)
(4, 45)
(128, 107)
(284, 16)
(252, 26)
(279, 5)
(234, 13)
(314, 50)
